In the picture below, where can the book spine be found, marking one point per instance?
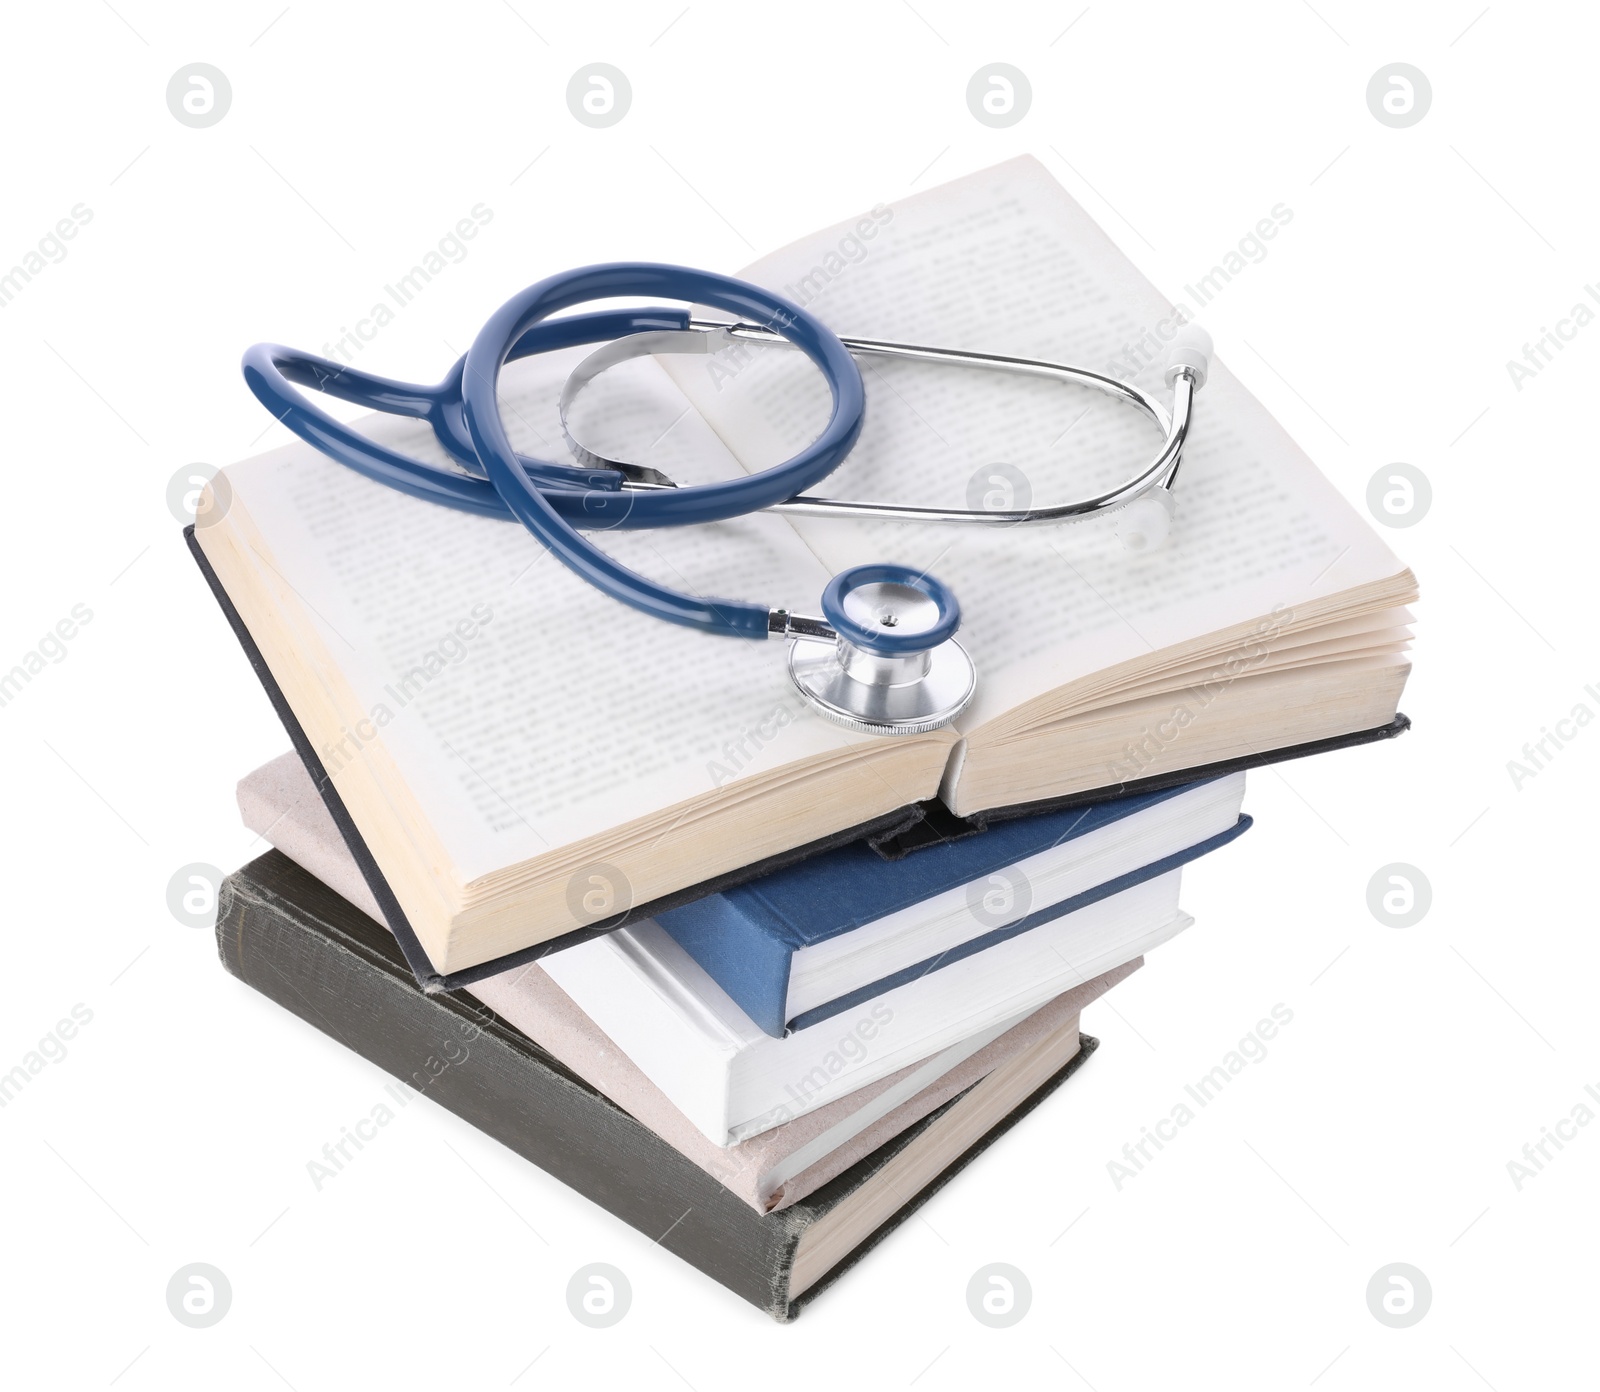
(742, 946)
(471, 1063)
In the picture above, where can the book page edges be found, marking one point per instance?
(1148, 737)
(462, 924)
(1246, 643)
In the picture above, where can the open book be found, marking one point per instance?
(523, 756)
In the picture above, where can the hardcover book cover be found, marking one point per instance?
(290, 937)
(746, 937)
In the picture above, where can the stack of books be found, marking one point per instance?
(603, 886)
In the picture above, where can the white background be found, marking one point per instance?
(1419, 1061)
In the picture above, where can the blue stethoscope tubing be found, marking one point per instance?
(554, 500)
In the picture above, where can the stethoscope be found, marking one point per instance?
(883, 659)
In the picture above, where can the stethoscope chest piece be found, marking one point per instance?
(893, 667)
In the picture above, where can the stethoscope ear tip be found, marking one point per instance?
(1146, 522)
(1191, 351)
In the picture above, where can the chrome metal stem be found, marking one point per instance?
(782, 624)
(872, 670)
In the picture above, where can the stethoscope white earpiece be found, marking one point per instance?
(1146, 522)
(1191, 349)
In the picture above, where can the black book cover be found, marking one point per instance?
(897, 834)
(287, 935)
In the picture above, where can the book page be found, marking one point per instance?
(1004, 261)
(525, 709)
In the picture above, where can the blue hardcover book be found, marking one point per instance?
(825, 935)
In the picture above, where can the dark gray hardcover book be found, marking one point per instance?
(297, 942)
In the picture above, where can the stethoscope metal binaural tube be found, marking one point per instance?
(710, 336)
